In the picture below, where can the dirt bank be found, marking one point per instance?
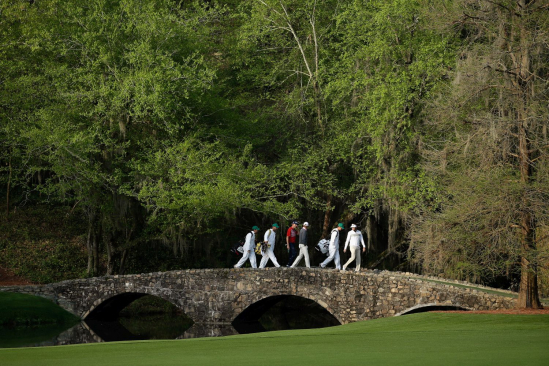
(7, 278)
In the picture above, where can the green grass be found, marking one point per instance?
(18, 309)
(418, 339)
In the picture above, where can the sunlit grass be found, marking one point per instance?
(418, 339)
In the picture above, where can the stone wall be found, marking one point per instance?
(220, 295)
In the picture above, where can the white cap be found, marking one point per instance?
(305, 223)
(353, 225)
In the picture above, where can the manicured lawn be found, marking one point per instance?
(28, 309)
(418, 339)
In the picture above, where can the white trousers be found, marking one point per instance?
(269, 254)
(355, 253)
(303, 252)
(247, 254)
(334, 256)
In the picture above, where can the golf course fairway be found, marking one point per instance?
(418, 339)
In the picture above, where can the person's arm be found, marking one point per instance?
(362, 240)
(266, 236)
(288, 238)
(333, 237)
(347, 241)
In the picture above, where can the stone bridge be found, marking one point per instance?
(221, 296)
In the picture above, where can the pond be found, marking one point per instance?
(151, 318)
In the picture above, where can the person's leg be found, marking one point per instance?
(293, 254)
(350, 259)
(264, 260)
(330, 258)
(306, 254)
(357, 268)
(336, 259)
(298, 259)
(243, 259)
(253, 260)
(271, 255)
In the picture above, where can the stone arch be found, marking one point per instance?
(420, 308)
(249, 317)
(110, 306)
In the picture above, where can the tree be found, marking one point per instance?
(490, 145)
(117, 80)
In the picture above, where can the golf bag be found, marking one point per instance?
(238, 248)
(323, 246)
(261, 247)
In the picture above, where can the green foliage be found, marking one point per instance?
(485, 148)
(43, 244)
(175, 126)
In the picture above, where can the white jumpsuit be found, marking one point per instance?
(249, 247)
(270, 237)
(354, 239)
(333, 250)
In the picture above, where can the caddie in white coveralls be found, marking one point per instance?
(249, 247)
(269, 238)
(354, 239)
(334, 248)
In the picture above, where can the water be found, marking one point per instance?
(148, 327)
(142, 322)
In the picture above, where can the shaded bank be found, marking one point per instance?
(22, 309)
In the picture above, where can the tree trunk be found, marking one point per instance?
(123, 261)
(317, 105)
(528, 290)
(8, 191)
(95, 255)
(90, 242)
(90, 250)
(110, 255)
(327, 218)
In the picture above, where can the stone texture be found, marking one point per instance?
(218, 296)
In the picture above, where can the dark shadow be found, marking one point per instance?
(109, 309)
(425, 309)
(136, 316)
(283, 312)
(111, 331)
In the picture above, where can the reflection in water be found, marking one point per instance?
(159, 326)
(31, 336)
(100, 331)
(274, 313)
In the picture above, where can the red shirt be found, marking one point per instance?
(292, 233)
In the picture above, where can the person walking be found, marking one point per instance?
(269, 238)
(354, 239)
(249, 247)
(291, 236)
(303, 248)
(334, 248)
